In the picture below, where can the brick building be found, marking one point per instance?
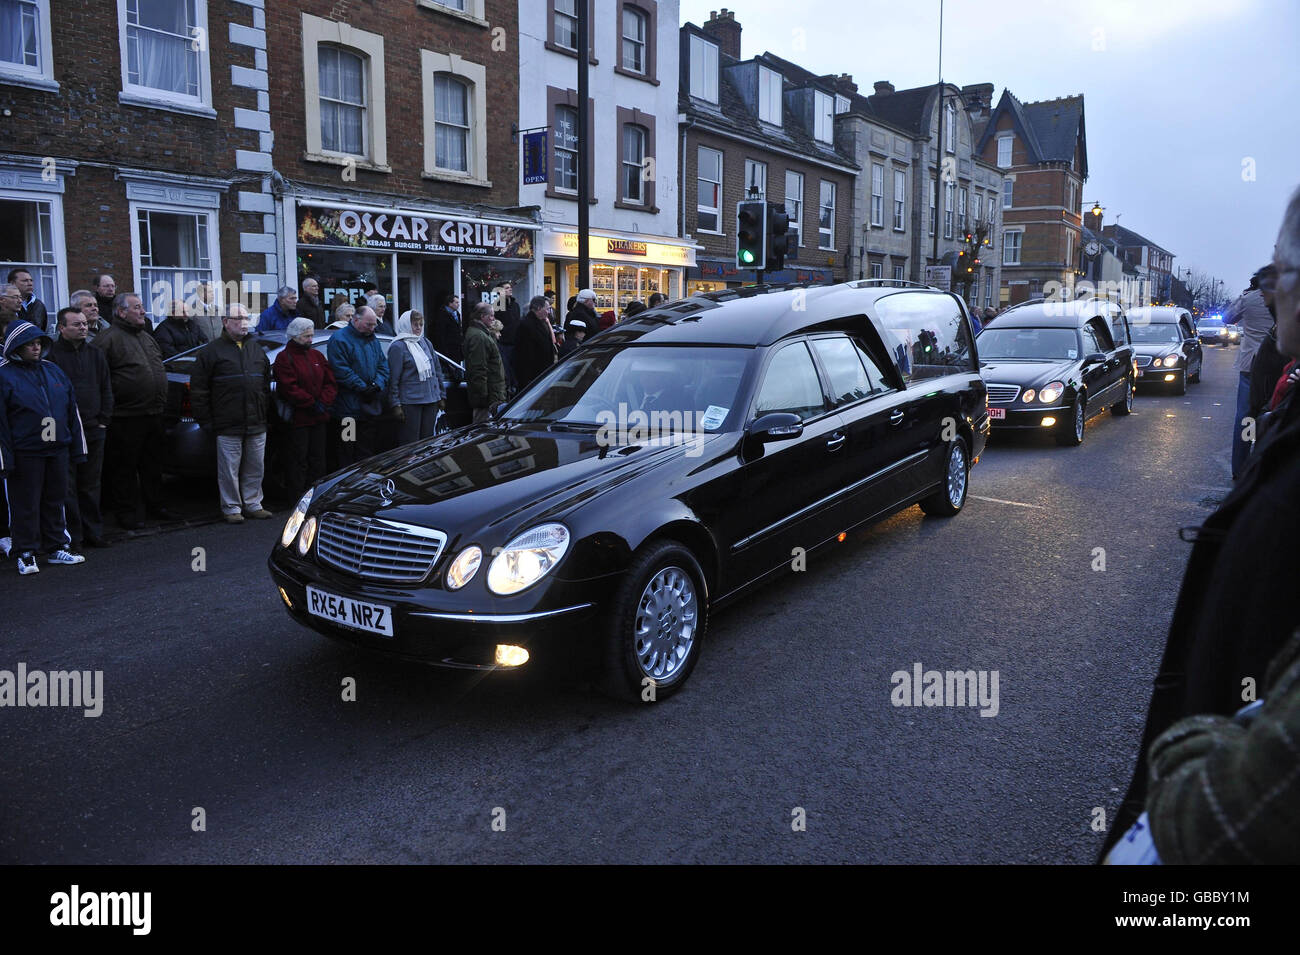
(420, 207)
(124, 129)
(1044, 148)
(768, 123)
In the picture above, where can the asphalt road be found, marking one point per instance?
(214, 698)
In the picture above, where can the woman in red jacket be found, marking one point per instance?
(305, 382)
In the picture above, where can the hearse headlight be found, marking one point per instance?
(527, 559)
(1029, 395)
(464, 567)
(307, 536)
(1051, 391)
(294, 523)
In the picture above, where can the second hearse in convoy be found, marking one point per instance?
(1052, 365)
(663, 469)
(1166, 347)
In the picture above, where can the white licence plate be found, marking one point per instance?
(346, 612)
(997, 414)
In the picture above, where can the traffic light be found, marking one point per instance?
(778, 243)
(751, 234)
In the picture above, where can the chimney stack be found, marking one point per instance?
(722, 26)
(883, 87)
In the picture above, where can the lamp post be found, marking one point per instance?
(1093, 268)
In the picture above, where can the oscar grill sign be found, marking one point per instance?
(370, 230)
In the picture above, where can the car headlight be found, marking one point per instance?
(294, 523)
(527, 559)
(1051, 391)
(307, 536)
(1028, 396)
(464, 567)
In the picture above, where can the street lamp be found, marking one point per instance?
(1097, 210)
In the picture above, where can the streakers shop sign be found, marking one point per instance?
(369, 231)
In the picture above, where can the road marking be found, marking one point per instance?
(997, 500)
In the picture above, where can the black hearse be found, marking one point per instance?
(1051, 365)
(664, 468)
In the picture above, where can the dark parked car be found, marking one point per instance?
(1165, 344)
(1052, 365)
(684, 457)
(190, 452)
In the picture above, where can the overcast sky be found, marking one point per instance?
(1184, 100)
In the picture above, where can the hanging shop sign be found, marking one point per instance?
(369, 230)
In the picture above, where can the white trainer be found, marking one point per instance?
(27, 564)
(65, 557)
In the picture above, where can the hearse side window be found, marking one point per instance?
(1185, 328)
(791, 384)
(1102, 334)
(848, 379)
(927, 334)
(1090, 344)
(1119, 329)
(878, 382)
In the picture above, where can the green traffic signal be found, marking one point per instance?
(747, 256)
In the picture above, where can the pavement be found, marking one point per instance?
(787, 746)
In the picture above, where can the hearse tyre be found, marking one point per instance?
(1071, 430)
(949, 500)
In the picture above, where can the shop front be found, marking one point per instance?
(713, 275)
(416, 259)
(623, 268)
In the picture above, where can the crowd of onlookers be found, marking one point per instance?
(83, 394)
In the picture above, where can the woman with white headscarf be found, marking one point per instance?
(414, 383)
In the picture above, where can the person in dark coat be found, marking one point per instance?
(35, 395)
(584, 310)
(87, 369)
(304, 381)
(133, 455)
(360, 368)
(534, 343)
(1233, 613)
(230, 391)
(575, 330)
(507, 313)
(309, 303)
(449, 332)
(105, 293)
(485, 378)
(177, 332)
(30, 308)
(277, 316)
(10, 299)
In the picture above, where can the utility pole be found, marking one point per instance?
(584, 150)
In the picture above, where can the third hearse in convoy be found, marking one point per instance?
(1052, 365)
(1166, 347)
(663, 469)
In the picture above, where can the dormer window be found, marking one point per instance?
(841, 104)
(823, 117)
(704, 69)
(769, 96)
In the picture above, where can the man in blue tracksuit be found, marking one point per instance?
(40, 430)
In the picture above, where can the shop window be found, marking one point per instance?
(27, 241)
(165, 54)
(708, 201)
(455, 118)
(175, 253)
(344, 95)
(342, 101)
(25, 43)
